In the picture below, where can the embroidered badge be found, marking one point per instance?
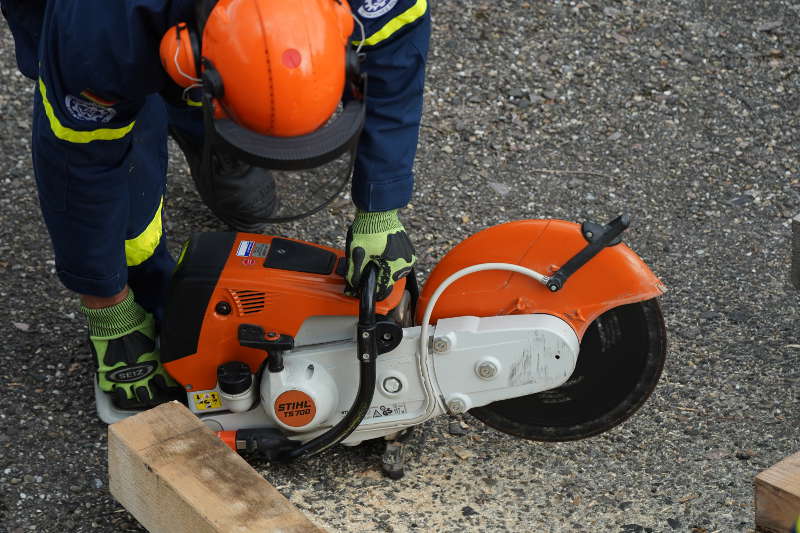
(88, 111)
(371, 9)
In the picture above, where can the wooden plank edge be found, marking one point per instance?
(175, 476)
(777, 496)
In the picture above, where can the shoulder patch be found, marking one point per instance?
(87, 111)
(372, 9)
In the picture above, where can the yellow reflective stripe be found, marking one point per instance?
(75, 136)
(390, 28)
(141, 248)
(193, 103)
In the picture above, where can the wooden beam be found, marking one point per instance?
(796, 252)
(777, 492)
(174, 475)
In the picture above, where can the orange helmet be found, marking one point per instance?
(272, 71)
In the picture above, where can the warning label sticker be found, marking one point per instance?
(206, 400)
(379, 411)
(252, 249)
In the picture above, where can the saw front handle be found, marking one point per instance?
(367, 343)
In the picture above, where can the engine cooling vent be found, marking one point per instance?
(249, 301)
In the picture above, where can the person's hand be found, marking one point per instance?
(378, 237)
(122, 338)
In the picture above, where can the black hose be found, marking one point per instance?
(367, 354)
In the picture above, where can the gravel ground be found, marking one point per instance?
(683, 113)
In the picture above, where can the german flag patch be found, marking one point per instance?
(88, 95)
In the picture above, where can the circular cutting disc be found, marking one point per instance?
(620, 361)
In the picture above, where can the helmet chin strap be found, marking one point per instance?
(363, 32)
(196, 82)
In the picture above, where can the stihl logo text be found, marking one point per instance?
(294, 409)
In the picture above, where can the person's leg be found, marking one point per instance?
(150, 264)
(100, 162)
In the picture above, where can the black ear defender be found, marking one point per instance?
(212, 81)
(353, 61)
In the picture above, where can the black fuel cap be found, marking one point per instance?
(234, 377)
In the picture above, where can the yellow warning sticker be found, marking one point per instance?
(207, 400)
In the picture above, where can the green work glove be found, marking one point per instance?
(122, 338)
(380, 238)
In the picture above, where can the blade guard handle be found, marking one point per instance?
(608, 236)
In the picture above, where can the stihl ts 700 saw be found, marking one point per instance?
(543, 329)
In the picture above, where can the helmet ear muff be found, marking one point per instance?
(180, 55)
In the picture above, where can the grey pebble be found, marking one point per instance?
(769, 26)
(740, 201)
(454, 428)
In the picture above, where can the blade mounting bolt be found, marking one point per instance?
(441, 345)
(486, 370)
(392, 385)
(456, 406)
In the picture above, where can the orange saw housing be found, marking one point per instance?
(227, 279)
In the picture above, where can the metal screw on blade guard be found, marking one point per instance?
(486, 370)
(441, 344)
(392, 385)
(456, 406)
(365, 335)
